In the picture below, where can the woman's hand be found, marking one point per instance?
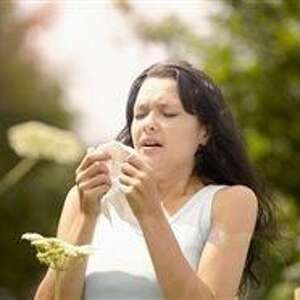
(139, 186)
(93, 181)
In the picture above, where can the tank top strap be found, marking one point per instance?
(197, 211)
(207, 216)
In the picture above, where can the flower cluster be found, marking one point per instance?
(37, 140)
(56, 253)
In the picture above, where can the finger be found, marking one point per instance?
(99, 189)
(92, 157)
(96, 168)
(136, 161)
(130, 191)
(125, 188)
(78, 170)
(128, 169)
(127, 180)
(94, 182)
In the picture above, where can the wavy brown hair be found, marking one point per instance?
(223, 160)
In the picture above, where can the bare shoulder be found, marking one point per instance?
(237, 203)
(239, 196)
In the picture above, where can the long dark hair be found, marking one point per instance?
(223, 160)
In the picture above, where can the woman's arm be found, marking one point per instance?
(221, 265)
(77, 223)
(223, 258)
(76, 228)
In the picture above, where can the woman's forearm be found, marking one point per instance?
(72, 283)
(176, 277)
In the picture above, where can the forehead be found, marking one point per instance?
(158, 91)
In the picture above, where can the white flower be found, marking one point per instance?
(55, 252)
(31, 236)
(37, 140)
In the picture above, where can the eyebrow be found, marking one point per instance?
(144, 106)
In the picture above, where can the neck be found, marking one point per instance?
(179, 186)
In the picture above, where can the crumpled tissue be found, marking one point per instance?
(115, 196)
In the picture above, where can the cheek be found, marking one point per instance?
(134, 132)
(184, 140)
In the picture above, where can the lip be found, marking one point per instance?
(150, 141)
(150, 149)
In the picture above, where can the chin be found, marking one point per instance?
(153, 162)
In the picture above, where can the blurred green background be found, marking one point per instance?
(254, 55)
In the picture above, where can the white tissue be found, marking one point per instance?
(115, 197)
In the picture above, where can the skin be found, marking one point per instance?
(77, 223)
(167, 174)
(148, 179)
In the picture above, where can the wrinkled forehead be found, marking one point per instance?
(158, 91)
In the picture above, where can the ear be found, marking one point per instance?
(203, 135)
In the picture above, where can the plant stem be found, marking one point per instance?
(16, 173)
(58, 277)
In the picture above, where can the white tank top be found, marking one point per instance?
(121, 267)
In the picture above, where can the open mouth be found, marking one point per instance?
(152, 146)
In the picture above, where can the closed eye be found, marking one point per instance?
(170, 115)
(140, 116)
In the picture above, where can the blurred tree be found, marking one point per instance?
(26, 93)
(253, 54)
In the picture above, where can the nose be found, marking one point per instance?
(151, 124)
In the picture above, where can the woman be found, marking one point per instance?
(201, 212)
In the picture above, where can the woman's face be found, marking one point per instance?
(159, 117)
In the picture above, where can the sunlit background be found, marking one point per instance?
(65, 71)
(91, 45)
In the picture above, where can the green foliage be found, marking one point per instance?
(253, 55)
(34, 203)
(262, 81)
